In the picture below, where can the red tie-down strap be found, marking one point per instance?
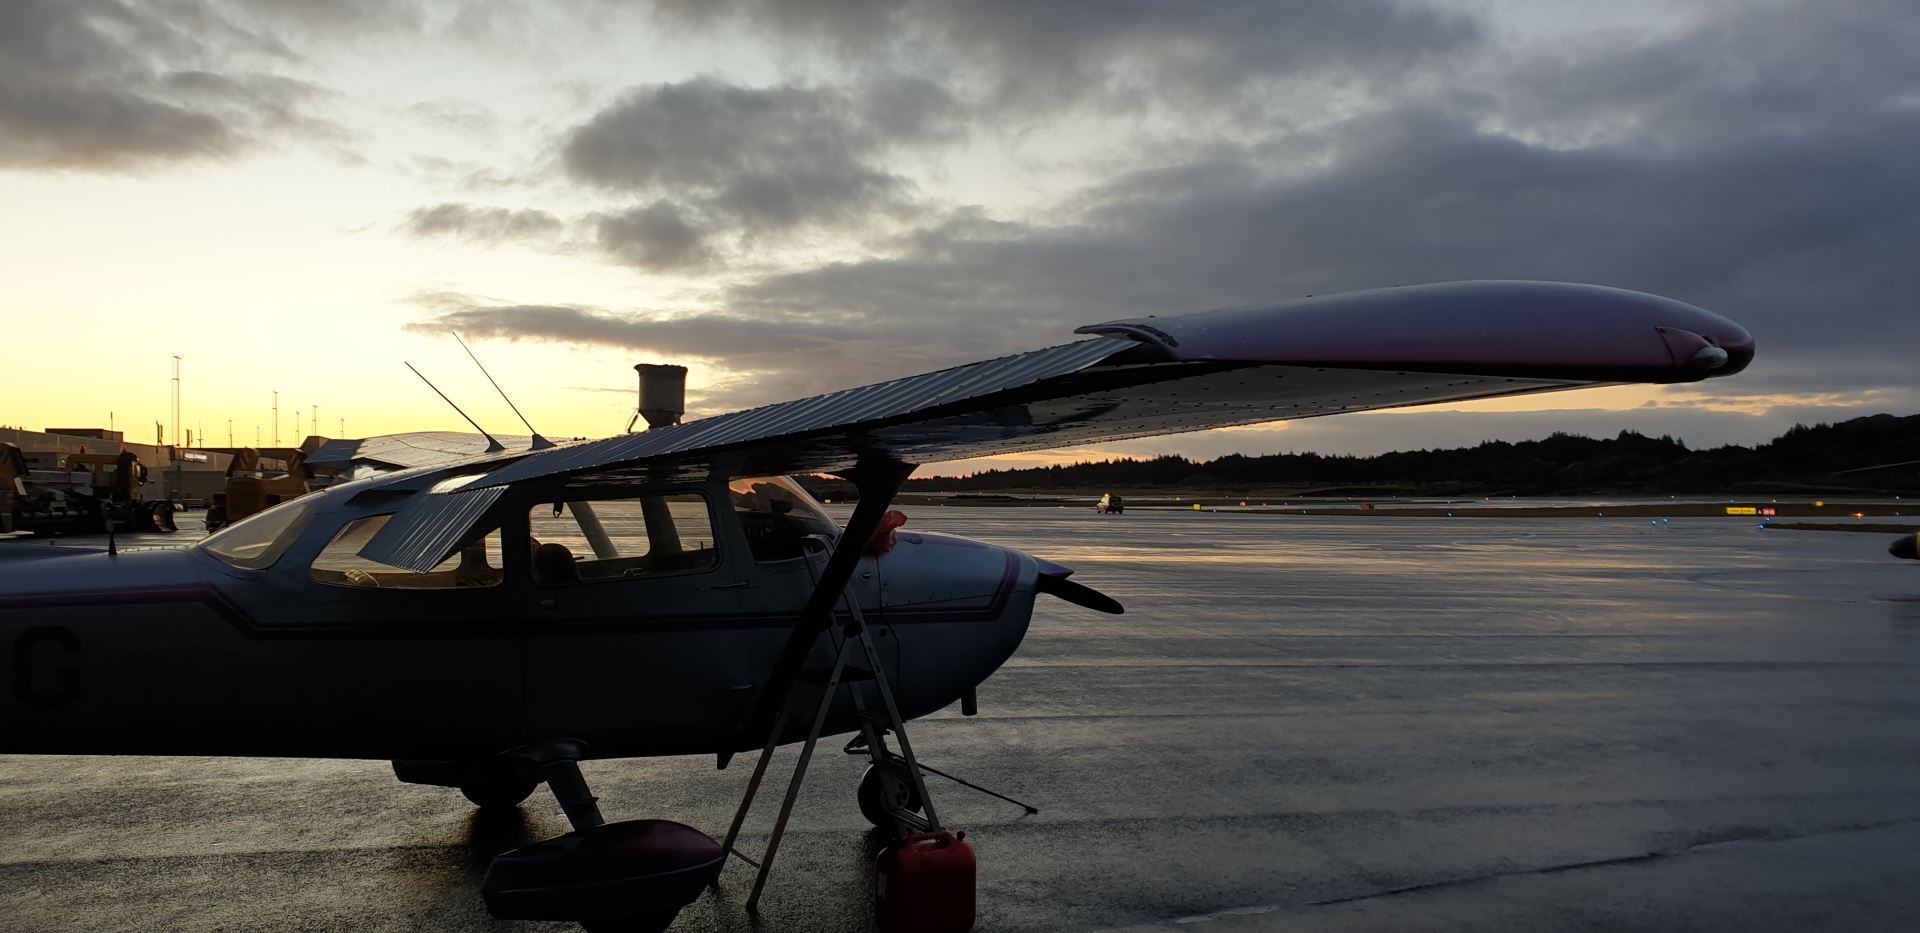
(884, 538)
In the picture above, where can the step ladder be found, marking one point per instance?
(845, 671)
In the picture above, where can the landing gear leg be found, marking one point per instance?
(558, 764)
(570, 789)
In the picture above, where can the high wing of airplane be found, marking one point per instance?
(417, 449)
(488, 620)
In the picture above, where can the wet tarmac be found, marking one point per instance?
(1301, 723)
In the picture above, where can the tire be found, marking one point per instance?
(497, 787)
(884, 788)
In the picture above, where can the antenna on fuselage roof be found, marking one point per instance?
(539, 443)
(493, 446)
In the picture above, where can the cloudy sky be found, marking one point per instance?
(798, 196)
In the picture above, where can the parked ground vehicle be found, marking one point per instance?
(77, 493)
(1111, 504)
(256, 483)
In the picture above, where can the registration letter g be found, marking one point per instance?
(54, 645)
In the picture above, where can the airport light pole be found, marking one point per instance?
(256, 436)
(316, 417)
(176, 424)
(276, 417)
(176, 399)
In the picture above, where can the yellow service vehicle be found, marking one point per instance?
(257, 482)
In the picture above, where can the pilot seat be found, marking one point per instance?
(553, 563)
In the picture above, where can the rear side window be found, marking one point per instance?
(340, 563)
(586, 540)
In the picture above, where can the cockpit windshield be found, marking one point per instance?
(777, 516)
(255, 542)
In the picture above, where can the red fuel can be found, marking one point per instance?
(924, 885)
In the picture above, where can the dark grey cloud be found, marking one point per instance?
(758, 161)
(102, 85)
(484, 224)
(1777, 70)
(838, 19)
(769, 356)
(758, 351)
(656, 236)
(1131, 52)
(348, 18)
(1759, 165)
(1800, 224)
(716, 334)
(1067, 51)
(1803, 242)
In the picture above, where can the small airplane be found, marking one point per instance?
(487, 618)
(1905, 546)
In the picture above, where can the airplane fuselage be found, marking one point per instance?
(185, 653)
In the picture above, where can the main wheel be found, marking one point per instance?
(884, 788)
(497, 786)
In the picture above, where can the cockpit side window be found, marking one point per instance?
(776, 516)
(584, 539)
(340, 563)
(258, 540)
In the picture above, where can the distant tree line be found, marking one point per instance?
(1803, 458)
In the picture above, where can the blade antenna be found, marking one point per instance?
(539, 443)
(493, 446)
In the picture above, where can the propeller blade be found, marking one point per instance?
(1907, 547)
(1077, 594)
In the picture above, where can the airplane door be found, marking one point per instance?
(632, 624)
(781, 589)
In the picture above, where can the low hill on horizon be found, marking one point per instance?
(1855, 455)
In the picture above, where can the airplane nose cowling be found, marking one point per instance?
(957, 610)
(1907, 547)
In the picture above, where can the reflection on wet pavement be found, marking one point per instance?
(1299, 723)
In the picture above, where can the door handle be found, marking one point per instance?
(731, 586)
